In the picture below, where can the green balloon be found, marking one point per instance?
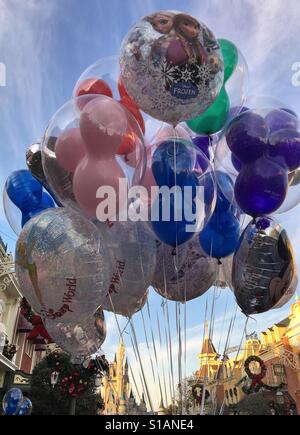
(214, 119)
(230, 56)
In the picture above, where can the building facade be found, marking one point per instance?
(116, 392)
(278, 347)
(18, 356)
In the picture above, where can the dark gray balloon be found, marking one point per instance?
(35, 166)
(264, 269)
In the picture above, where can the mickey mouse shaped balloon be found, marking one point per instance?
(171, 66)
(26, 193)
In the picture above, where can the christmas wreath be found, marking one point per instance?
(74, 380)
(257, 379)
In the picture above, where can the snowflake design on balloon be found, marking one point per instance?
(204, 74)
(169, 73)
(187, 75)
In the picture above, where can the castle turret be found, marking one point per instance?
(208, 357)
(120, 369)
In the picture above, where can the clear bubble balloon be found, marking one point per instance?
(183, 192)
(61, 265)
(25, 407)
(258, 153)
(92, 142)
(171, 66)
(12, 401)
(233, 94)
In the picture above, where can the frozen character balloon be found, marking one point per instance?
(172, 66)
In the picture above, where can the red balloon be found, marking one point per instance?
(93, 86)
(122, 90)
(135, 111)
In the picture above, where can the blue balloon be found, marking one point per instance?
(26, 192)
(174, 231)
(12, 401)
(25, 407)
(227, 186)
(172, 162)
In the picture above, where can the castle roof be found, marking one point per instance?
(207, 347)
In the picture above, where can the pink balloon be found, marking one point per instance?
(69, 149)
(89, 176)
(103, 124)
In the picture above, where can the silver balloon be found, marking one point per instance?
(34, 164)
(61, 265)
(168, 260)
(132, 258)
(225, 273)
(80, 338)
(263, 268)
(195, 277)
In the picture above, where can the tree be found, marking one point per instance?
(74, 381)
(254, 404)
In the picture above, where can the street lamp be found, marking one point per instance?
(279, 398)
(54, 378)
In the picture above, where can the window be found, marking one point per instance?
(29, 348)
(278, 370)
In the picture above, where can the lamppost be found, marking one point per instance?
(280, 398)
(54, 378)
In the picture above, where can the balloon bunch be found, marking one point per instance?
(143, 199)
(14, 403)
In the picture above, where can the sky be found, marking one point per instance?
(46, 45)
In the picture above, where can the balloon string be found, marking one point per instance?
(167, 320)
(135, 383)
(155, 352)
(240, 347)
(163, 365)
(169, 353)
(149, 352)
(223, 322)
(178, 324)
(169, 341)
(140, 361)
(121, 332)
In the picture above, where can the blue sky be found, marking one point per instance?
(46, 45)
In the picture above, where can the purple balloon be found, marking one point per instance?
(285, 148)
(261, 187)
(282, 119)
(236, 111)
(203, 144)
(247, 137)
(237, 164)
